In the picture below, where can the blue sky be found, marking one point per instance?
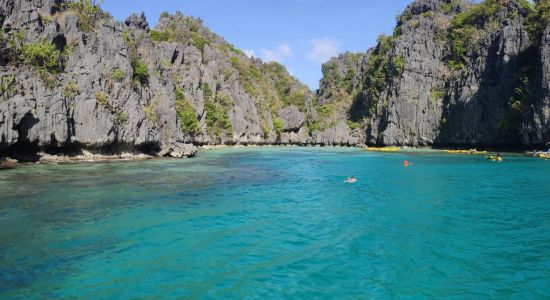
(300, 34)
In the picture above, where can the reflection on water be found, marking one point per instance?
(277, 223)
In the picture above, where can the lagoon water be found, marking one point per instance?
(278, 223)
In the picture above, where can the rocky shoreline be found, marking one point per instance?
(189, 151)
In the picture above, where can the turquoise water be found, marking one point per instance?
(278, 223)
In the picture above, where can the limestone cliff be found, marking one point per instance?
(452, 74)
(73, 78)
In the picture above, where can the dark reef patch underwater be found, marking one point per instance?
(276, 223)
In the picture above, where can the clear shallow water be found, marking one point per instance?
(278, 223)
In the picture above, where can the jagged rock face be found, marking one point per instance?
(342, 76)
(98, 99)
(41, 115)
(408, 115)
(292, 118)
(411, 94)
(537, 127)
(479, 95)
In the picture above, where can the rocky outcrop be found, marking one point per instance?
(178, 150)
(292, 118)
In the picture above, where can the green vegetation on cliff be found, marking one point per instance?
(186, 114)
(42, 55)
(469, 26)
(538, 19)
(88, 12)
(140, 69)
(217, 118)
(382, 67)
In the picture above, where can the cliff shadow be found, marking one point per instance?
(494, 114)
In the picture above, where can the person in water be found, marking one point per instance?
(498, 155)
(351, 179)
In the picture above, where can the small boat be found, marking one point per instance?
(470, 151)
(383, 149)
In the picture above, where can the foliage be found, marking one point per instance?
(427, 14)
(150, 110)
(164, 14)
(403, 18)
(278, 126)
(42, 55)
(186, 114)
(160, 36)
(71, 90)
(140, 70)
(354, 125)
(447, 7)
(102, 99)
(465, 26)
(324, 113)
(525, 4)
(398, 65)
(200, 41)
(7, 88)
(224, 99)
(206, 91)
(521, 98)
(88, 12)
(121, 117)
(217, 119)
(141, 73)
(13, 42)
(118, 75)
(538, 20)
(381, 69)
(437, 94)
(50, 82)
(228, 48)
(46, 18)
(478, 14)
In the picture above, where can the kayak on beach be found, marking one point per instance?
(470, 151)
(383, 149)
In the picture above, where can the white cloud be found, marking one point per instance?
(250, 53)
(282, 52)
(322, 49)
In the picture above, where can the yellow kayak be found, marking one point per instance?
(543, 155)
(494, 158)
(383, 149)
(471, 151)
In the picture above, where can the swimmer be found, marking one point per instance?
(351, 179)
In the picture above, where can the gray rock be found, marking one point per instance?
(137, 21)
(292, 118)
(178, 150)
